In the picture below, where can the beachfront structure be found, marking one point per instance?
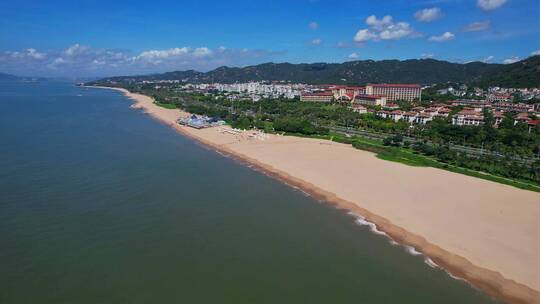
(393, 92)
(200, 122)
(317, 97)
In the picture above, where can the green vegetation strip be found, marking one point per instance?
(166, 105)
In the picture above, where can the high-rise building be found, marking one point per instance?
(393, 92)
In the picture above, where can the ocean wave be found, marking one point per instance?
(430, 263)
(412, 250)
(305, 193)
(360, 220)
(455, 277)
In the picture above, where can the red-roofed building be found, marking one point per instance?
(359, 108)
(383, 113)
(522, 117)
(444, 112)
(423, 118)
(410, 116)
(395, 115)
(533, 123)
(499, 97)
(513, 107)
(468, 117)
(370, 100)
(391, 106)
(498, 116)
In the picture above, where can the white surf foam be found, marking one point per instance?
(412, 250)
(360, 220)
(409, 249)
(430, 263)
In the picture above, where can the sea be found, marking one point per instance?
(100, 203)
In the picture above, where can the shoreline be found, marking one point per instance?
(490, 281)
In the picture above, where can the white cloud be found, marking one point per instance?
(477, 26)
(55, 63)
(446, 36)
(313, 25)
(396, 31)
(427, 55)
(512, 59)
(489, 5)
(364, 35)
(85, 61)
(379, 24)
(428, 14)
(316, 41)
(537, 52)
(75, 49)
(353, 56)
(383, 29)
(98, 62)
(28, 54)
(35, 54)
(202, 52)
(162, 54)
(488, 59)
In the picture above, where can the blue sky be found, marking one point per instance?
(101, 38)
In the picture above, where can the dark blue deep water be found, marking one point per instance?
(100, 203)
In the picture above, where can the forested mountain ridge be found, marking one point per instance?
(7, 77)
(525, 73)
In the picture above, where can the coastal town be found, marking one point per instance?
(463, 105)
(491, 129)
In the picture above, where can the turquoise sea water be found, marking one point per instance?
(100, 203)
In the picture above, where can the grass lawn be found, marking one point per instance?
(165, 105)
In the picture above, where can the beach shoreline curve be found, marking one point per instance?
(490, 281)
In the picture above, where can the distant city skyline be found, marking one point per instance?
(99, 38)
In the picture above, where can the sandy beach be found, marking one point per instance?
(481, 231)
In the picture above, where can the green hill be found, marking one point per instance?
(8, 77)
(522, 74)
(424, 71)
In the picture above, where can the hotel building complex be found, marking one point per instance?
(393, 92)
(370, 95)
